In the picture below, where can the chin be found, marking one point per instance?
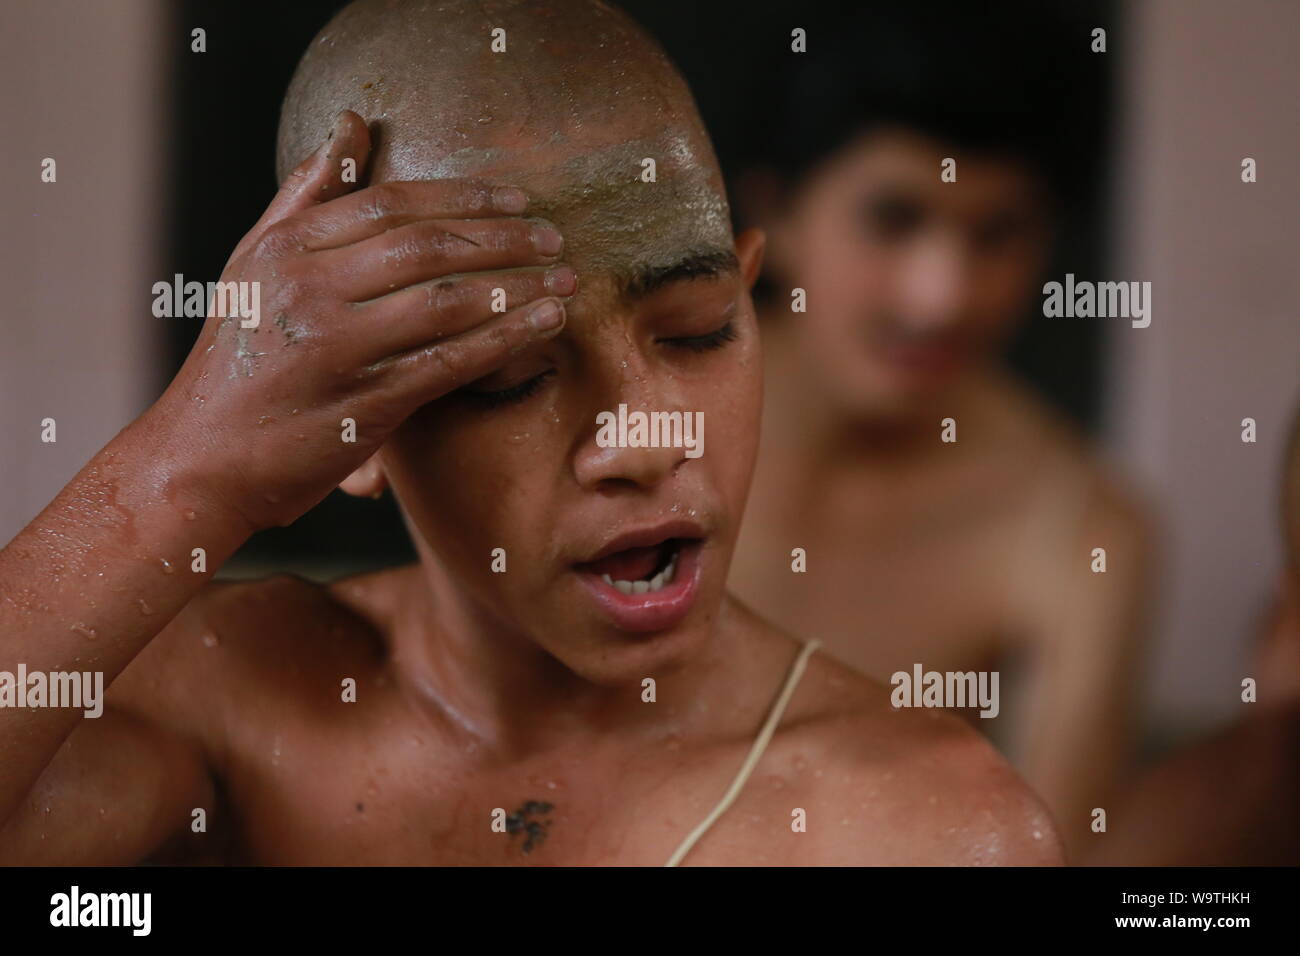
(617, 659)
(891, 395)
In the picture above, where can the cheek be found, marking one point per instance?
(467, 488)
(1005, 284)
(843, 271)
(732, 417)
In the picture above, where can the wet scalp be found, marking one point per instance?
(424, 74)
(568, 111)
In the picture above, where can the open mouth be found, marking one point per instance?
(640, 570)
(645, 586)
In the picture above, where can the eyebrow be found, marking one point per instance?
(694, 265)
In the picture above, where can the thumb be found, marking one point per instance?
(321, 176)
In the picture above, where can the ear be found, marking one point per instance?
(762, 201)
(749, 251)
(368, 481)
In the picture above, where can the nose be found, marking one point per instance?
(613, 467)
(604, 465)
(933, 283)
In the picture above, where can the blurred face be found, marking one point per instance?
(911, 281)
(615, 556)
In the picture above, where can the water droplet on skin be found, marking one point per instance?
(87, 632)
(518, 439)
(800, 763)
(552, 785)
(189, 515)
(1038, 834)
(275, 752)
(144, 606)
(266, 420)
(167, 566)
(211, 640)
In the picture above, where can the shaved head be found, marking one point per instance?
(579, 98)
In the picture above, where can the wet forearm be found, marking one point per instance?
(98, 574)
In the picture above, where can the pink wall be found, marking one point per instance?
(83, 84)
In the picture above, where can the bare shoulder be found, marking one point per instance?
(1068, 494)
(265, 639)
(902, 786)
(1060, 456)
(886, 786)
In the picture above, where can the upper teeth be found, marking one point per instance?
(645, 587)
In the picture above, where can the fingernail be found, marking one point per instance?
(561, 280)
(547, 240)
(509, 199)
(546, 316)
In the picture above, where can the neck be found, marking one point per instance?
(493, 686)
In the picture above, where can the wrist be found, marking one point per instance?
(186, 464)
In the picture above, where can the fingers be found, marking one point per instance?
(377, 209)
(431, 371)
(432, 249)
(319, 177)
(422, 313)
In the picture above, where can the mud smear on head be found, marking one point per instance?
(569, 111)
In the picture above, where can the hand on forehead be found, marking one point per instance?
(622, 206)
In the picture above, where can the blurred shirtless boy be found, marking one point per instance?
(502, 708)
(973, 554)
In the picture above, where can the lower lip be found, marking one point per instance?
(652, 611)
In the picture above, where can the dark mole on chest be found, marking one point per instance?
(518, 822)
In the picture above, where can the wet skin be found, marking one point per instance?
(476, 691)
(235, 705)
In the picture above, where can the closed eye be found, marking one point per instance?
(507, 396)
(704, 343)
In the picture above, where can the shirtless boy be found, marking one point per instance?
(396, 717)
(972, 554)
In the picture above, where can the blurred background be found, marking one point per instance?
(165, 158)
